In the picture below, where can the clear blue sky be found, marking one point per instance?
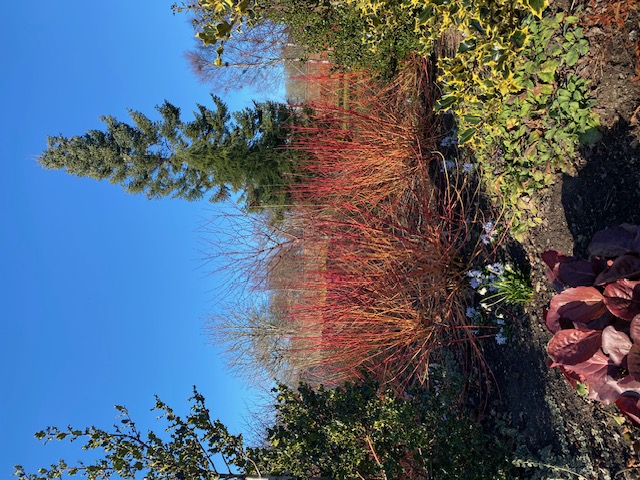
(103, 294)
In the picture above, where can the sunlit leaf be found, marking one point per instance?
(622, 298)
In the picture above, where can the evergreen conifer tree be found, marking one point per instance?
(215, 154)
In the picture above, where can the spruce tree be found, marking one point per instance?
(215, 154)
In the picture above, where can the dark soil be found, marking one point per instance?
(537, 411)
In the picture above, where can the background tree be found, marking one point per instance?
(356, 431)
(216, 153)
(255, 58)
(245, 43)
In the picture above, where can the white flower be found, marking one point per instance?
(482, 291)
(496, 268)
(485, 306)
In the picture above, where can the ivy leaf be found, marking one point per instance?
(547, 71)
(572, 57)
(591, 136)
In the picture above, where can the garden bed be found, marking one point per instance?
(533, 406)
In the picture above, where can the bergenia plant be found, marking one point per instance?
(595, 317)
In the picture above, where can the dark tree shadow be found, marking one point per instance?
(606, 190)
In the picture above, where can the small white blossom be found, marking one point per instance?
(482, 291)
(496, 268)
(485, 306)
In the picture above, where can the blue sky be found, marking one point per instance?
(104, 295)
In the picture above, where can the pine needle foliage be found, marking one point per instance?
(213, 155)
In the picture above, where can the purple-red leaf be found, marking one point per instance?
(626, 266)
(599, 264)
(615, 344)
(569, 271)
(571, 347)
(572, 378)
(600, 323)
(635, 329)
(633, 362)
(616, 241)
(622, 298)
(630, 406)
(628, 384)
(596, 372)
(579, 304)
